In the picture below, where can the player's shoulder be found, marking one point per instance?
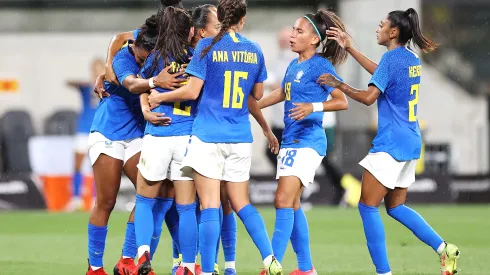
(204, 42)
(123, 53)
(323, 62)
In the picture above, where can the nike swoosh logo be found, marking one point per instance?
(97, 253)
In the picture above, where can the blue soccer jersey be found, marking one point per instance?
(89, 105)
(229, 70)
(119, 116)
(299, 85)
(182, 113)
(398, 79)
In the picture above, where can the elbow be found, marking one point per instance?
(368, 101)
(258, 95)
(193, 95)
(344, 106)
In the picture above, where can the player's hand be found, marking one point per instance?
(329, 80)
(158, 119)
(169, 81)
(273, 143)
(153, 99)
(301, 110)
(110, 75)
(99, 89)
(342, 38)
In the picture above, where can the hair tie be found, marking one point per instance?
(314, 26)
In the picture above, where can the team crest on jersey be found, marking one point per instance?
(298, 76)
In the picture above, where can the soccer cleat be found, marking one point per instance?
(144, 265)
(198, 270)
(184, 271)
(99, 271)
(448, 259)
(176, 264)
(216, 269)
(274, 268)
(125, 267)
(230, 271)
(299, 272)
(174, 270)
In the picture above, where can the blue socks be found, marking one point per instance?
(282, 231)
(77, 183)
(160, 209)
(96, 244)
(256, 229)
(375, 237)
(228, 237)
(172, 221)
(129, 247)
(209, 231)
(413, 221)
(300, 240)
(187, 229)
(143, 222)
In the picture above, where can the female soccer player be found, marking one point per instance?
(114, 146)
(228, 68)
(303, 142)
(390, 164)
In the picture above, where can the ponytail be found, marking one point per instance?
(409, 29)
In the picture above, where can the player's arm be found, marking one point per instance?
(163, 80)
(258, 91)
(366, 97)
(272, 98)
(255, 111)
(337, 103)
(115, 45)
(343, 39)
(154, 118)
(190, 91)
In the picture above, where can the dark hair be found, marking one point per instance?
(230, 12)
(322, 21)
(408, 24)
(147, 37)
(171, 3)
(173, 36)
(200, 17)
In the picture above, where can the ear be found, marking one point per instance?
(202, 32)
(394, 32)
(242, 22)
(315, 40)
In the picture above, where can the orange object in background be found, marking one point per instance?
(58, 192)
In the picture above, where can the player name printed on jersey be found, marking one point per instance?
(236, 56)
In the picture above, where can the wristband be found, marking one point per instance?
(152, 85)
(317, 106)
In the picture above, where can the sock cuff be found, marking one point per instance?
(209, 214)
(145, 200)
(395, 209)
(366, 208)
(185, 207)
(284, 213)
(130, 224)
(246, 211)
(163, 200)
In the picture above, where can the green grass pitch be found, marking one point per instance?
(45, 243)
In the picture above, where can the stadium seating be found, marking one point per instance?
(61, 123)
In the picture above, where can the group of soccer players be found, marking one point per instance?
(185, 140)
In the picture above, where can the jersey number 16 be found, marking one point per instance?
(237, 101)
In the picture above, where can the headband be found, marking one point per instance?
(314, 26)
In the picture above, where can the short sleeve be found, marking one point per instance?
(124, 65)
(381, 77)
(135, 33)
(146, 69)
(262, 76)
(198, 65)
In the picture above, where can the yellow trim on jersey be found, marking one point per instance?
(233, 37)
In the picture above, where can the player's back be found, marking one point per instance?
(119, 116)
(230, 70)
(181, 113)
(398, 75)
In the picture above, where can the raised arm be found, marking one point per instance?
(343, 39)
(115, 45)
(272, 98)
(366, 97)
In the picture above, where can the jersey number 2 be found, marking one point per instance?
(181, 110)
(237, 101)
(412, 116)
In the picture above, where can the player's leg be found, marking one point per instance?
(107, 163)
(228, 233)
(172, 222)
(300, 240)
(81, 146)
(287, 189)
(237, 173)
(396, 208)
(163, 203)
(153, 165)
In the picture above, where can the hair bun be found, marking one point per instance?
(168, 3)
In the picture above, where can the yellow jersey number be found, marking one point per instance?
(237, 101)
(412, 116)
(287, 90)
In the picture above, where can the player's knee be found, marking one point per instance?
(107, 204)
(282, 200)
